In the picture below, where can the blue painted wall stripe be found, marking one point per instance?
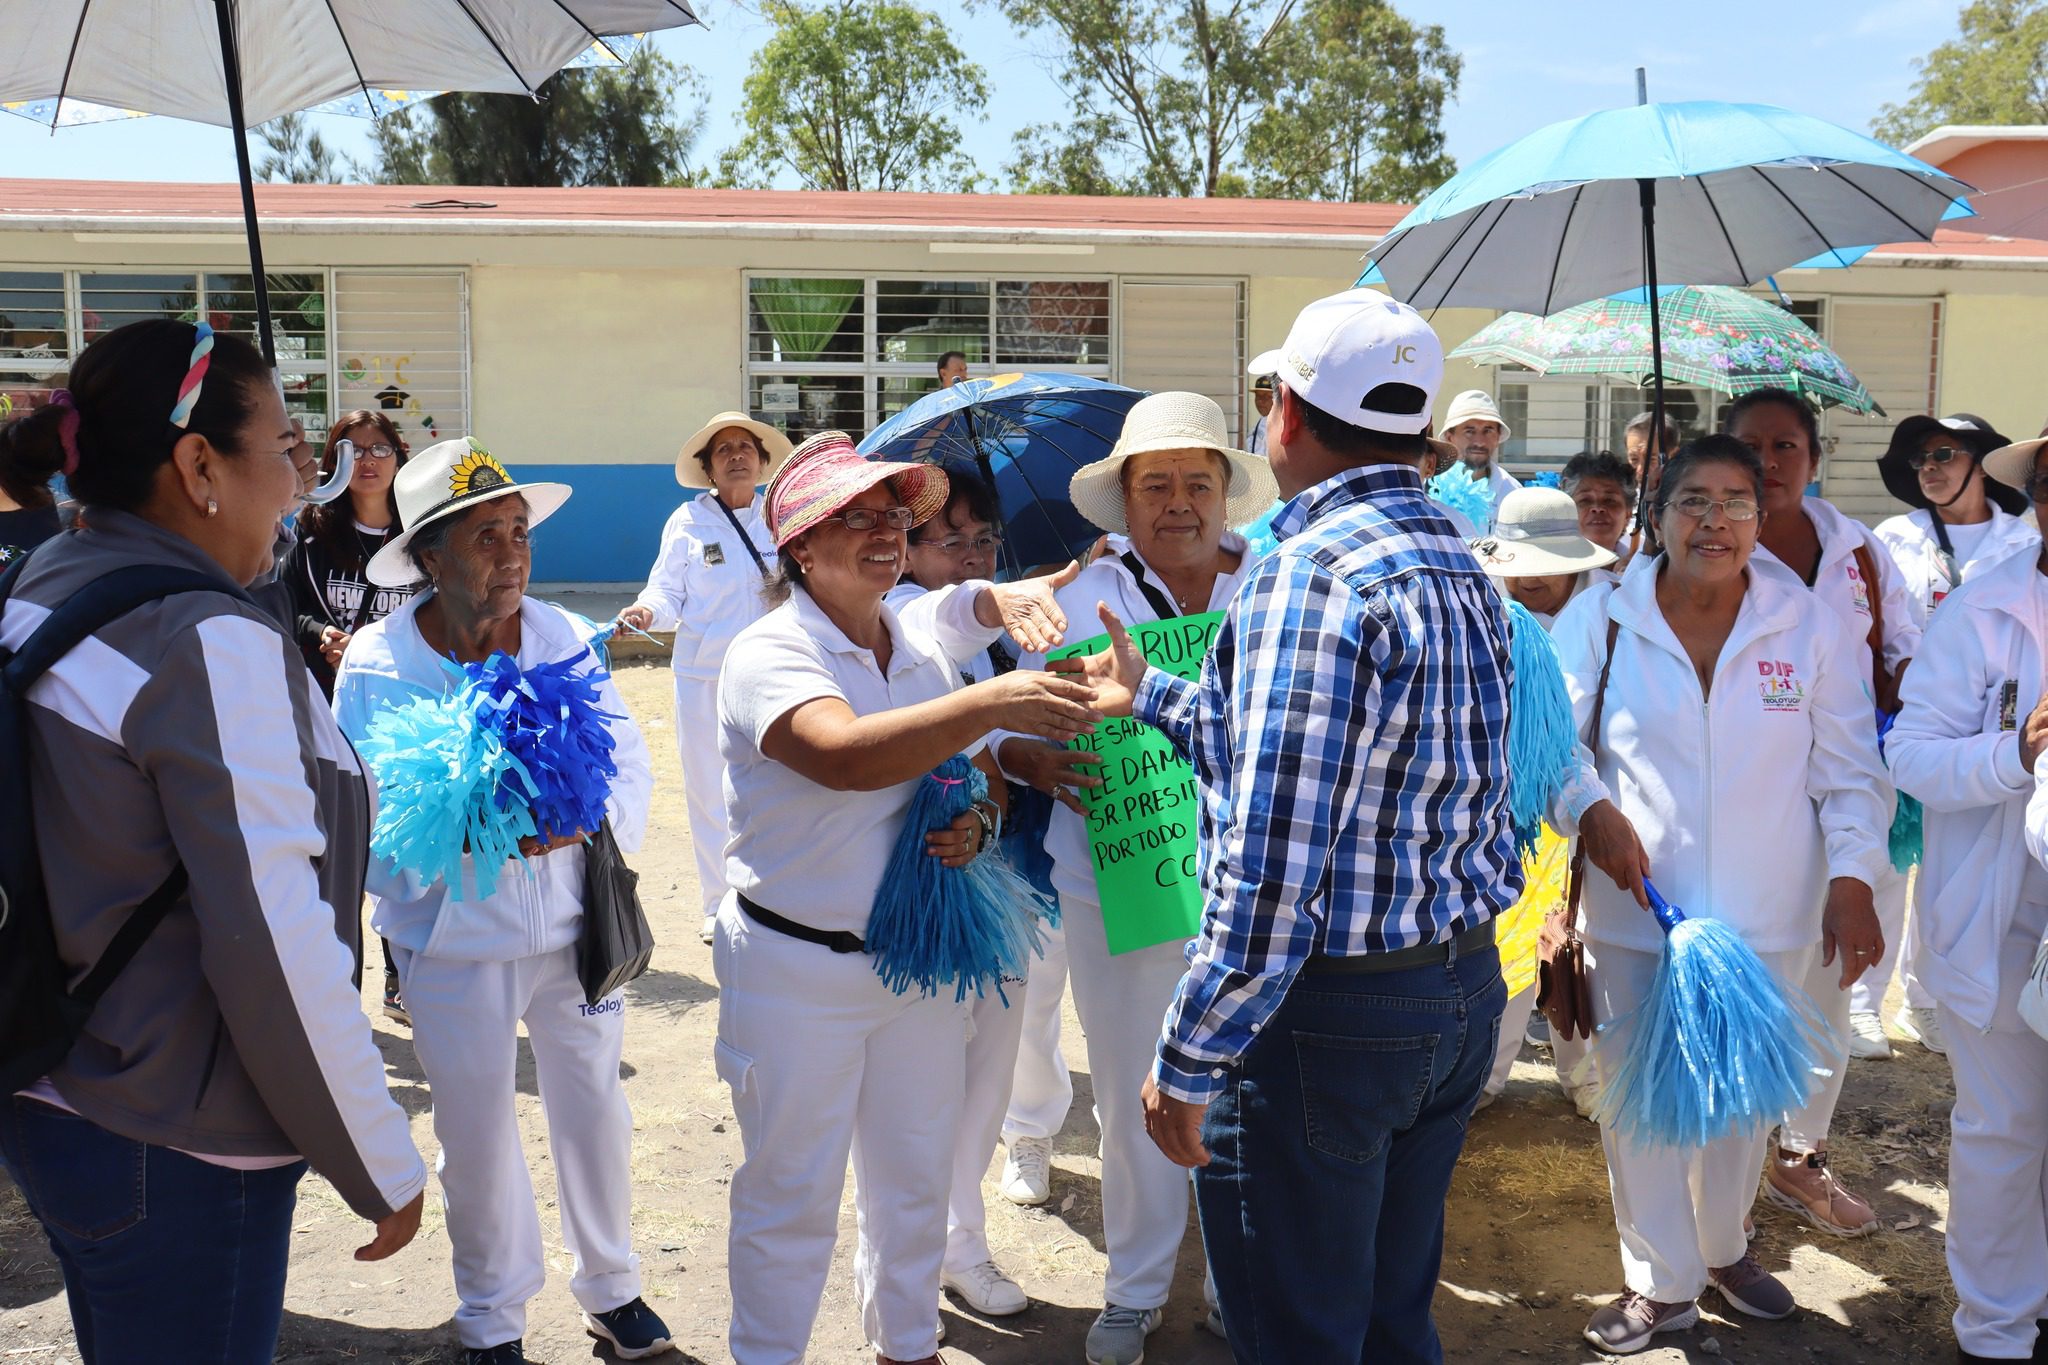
(610, 529)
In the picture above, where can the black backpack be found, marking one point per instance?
(39, 1018)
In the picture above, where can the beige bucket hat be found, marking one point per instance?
(1536, 535)
(690, 473)
(1172, 421)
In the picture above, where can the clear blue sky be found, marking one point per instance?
(1526, 63)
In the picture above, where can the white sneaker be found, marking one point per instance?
(1027, 1170)
(1923, 1025)
(987, 1290)
(1866, 1035)
(1118, 1336)
(1585, 1098)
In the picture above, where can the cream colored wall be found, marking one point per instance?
(600, 366)
(1994, 349)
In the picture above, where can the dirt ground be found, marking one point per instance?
(1530, 1248)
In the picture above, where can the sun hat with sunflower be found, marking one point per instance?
(441, 481)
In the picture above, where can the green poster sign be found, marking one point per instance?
(1141, 820)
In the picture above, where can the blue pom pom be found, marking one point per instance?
(1907, 839)
(1544, 479)
(933, 925)
(1542, 741)
(1455, 488)
(548, 717)
(1717, 1047)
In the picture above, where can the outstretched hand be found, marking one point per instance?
(1114, 674)
(1028, 610)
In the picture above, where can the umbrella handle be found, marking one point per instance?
(1668, 915)
(336, 483)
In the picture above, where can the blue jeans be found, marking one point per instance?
(166, 1258)
(1331, 1149)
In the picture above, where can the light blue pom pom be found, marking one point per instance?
(1718, 1046)
(1907, 840)
(932, 925)
(1259, 538)
(438, 778)
(1456, 489)
(1542, 741)
(1543, 479)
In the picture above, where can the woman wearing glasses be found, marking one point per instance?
(1806, 543)
(832, 709)
(331, 594)
(1736, 764)
(331, 599)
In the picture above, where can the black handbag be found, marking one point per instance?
(616, 942)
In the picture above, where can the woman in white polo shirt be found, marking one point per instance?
(831, 710)
(706, 585)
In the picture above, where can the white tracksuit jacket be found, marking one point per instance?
(1916, 552)
(1956, 746)
(537, 906)
(704, 585)
(1747, 801)
(1838, 583)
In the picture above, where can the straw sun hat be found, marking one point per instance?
(447, 478)
(690, 471)
(2013, 465)
(1536, 535)
(1172, 421)
(826, 473)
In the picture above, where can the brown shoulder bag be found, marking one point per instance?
(1563, 992)
(1882, 681)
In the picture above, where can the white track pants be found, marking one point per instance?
(1122, 1002)
(1042, 1090)
(1679, 1210)
(1514, 1029)
(1998, 1164)
(1806, 1130)
(824, 1060)
(703, 783)
(1901, 942)
(991, 1063)
(465, 1030)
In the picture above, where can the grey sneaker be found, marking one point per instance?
(1118, 1336)
(1756, 1291)
(1923, 1025)
(1626, 1325)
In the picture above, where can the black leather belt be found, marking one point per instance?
(1421, 955)
(838, 940)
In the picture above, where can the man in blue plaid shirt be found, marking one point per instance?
(1349, 736)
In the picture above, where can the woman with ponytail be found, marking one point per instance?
(183, 745)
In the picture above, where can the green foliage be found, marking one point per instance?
(297, 154)
(1324, 99)
(1994, 71)
(590, 126)
(856, 95)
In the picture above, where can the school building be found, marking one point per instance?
(580, 334)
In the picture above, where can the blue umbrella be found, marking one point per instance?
(1569, 213)
(1024, 435)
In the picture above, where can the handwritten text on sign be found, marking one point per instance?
(1141, 820)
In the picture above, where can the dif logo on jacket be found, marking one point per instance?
(1779, 686)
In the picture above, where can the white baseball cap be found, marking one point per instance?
(1342, 349)
(1471, 404)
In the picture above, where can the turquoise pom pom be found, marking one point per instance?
(1259, 538)
(1907, 841)
(1542, 740)
(1455, 488)
(972, 928)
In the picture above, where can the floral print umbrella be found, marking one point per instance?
(1715, 336)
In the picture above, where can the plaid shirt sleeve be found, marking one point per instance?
(1273, 729)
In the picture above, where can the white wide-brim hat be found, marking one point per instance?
(1172, 421)
(1536, 535)
(2013, 465)
(445, 479)
(690, 471)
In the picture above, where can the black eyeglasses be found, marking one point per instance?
(379, 451)
(1919, 459)
(867, 518)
